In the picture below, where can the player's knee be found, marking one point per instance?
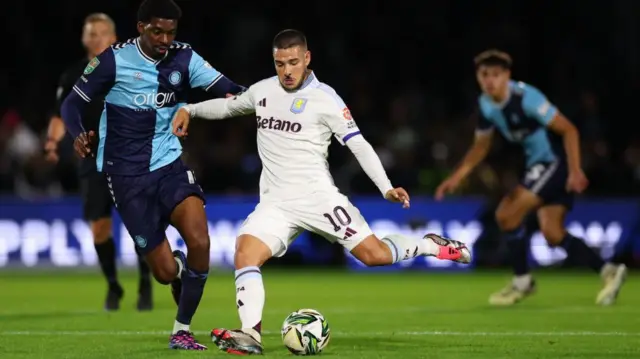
(198, 239)
(507, 221)
(101, 230)
(250, 251)
(553, 234)
(189, 217)
(165, 273)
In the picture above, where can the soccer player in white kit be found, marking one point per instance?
(296, 116)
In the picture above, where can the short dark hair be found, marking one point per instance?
(289, 38)
(493, 57)
(163, 9)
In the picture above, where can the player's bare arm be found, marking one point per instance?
(55, 134)
(577, 181)
(57, 129)
(474, 156)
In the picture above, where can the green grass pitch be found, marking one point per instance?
(383, 315)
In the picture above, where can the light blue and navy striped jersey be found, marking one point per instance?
(142, 96)
(523, 118)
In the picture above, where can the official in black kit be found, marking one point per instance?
(98, 34)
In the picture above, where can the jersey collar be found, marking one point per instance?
(504, 102)
(311, 80)
(145, 56)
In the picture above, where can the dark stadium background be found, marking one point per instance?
(404, 68)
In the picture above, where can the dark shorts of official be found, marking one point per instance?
(96, 198)
(145, 202)
(548, 180)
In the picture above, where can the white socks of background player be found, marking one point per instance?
(403, 247)
(250, 300)
(522, 282)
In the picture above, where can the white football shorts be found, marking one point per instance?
(329, 214)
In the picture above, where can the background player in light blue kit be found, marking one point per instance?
(551, 143)
(146, 80)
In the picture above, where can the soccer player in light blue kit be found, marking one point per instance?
(145, 81)
(551, 143)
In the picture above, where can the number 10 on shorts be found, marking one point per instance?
(339, 215)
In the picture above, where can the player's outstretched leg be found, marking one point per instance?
(510, 216)
(190, 220)
(394, 248)
(106, 251)
(251, 253)
(551, 220)
(145, 298)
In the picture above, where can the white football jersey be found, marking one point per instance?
(294, 133)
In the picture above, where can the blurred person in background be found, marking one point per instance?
(98, 34)
(21, 163)
(523, 115)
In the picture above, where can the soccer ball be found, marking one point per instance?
(305, 332)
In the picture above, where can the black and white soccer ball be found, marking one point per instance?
(305, 332)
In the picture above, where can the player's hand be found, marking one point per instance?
(83, 144)
(448, 186)
(51, 151)
(577, 182)
(398, 195)
(229, 95)
(181, 122)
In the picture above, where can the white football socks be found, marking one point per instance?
(250, 300)
(522, 282)
(403, 248)
(177, 326)
(180, 267)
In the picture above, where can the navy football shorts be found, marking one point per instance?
(548, 180)
(145, 202)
